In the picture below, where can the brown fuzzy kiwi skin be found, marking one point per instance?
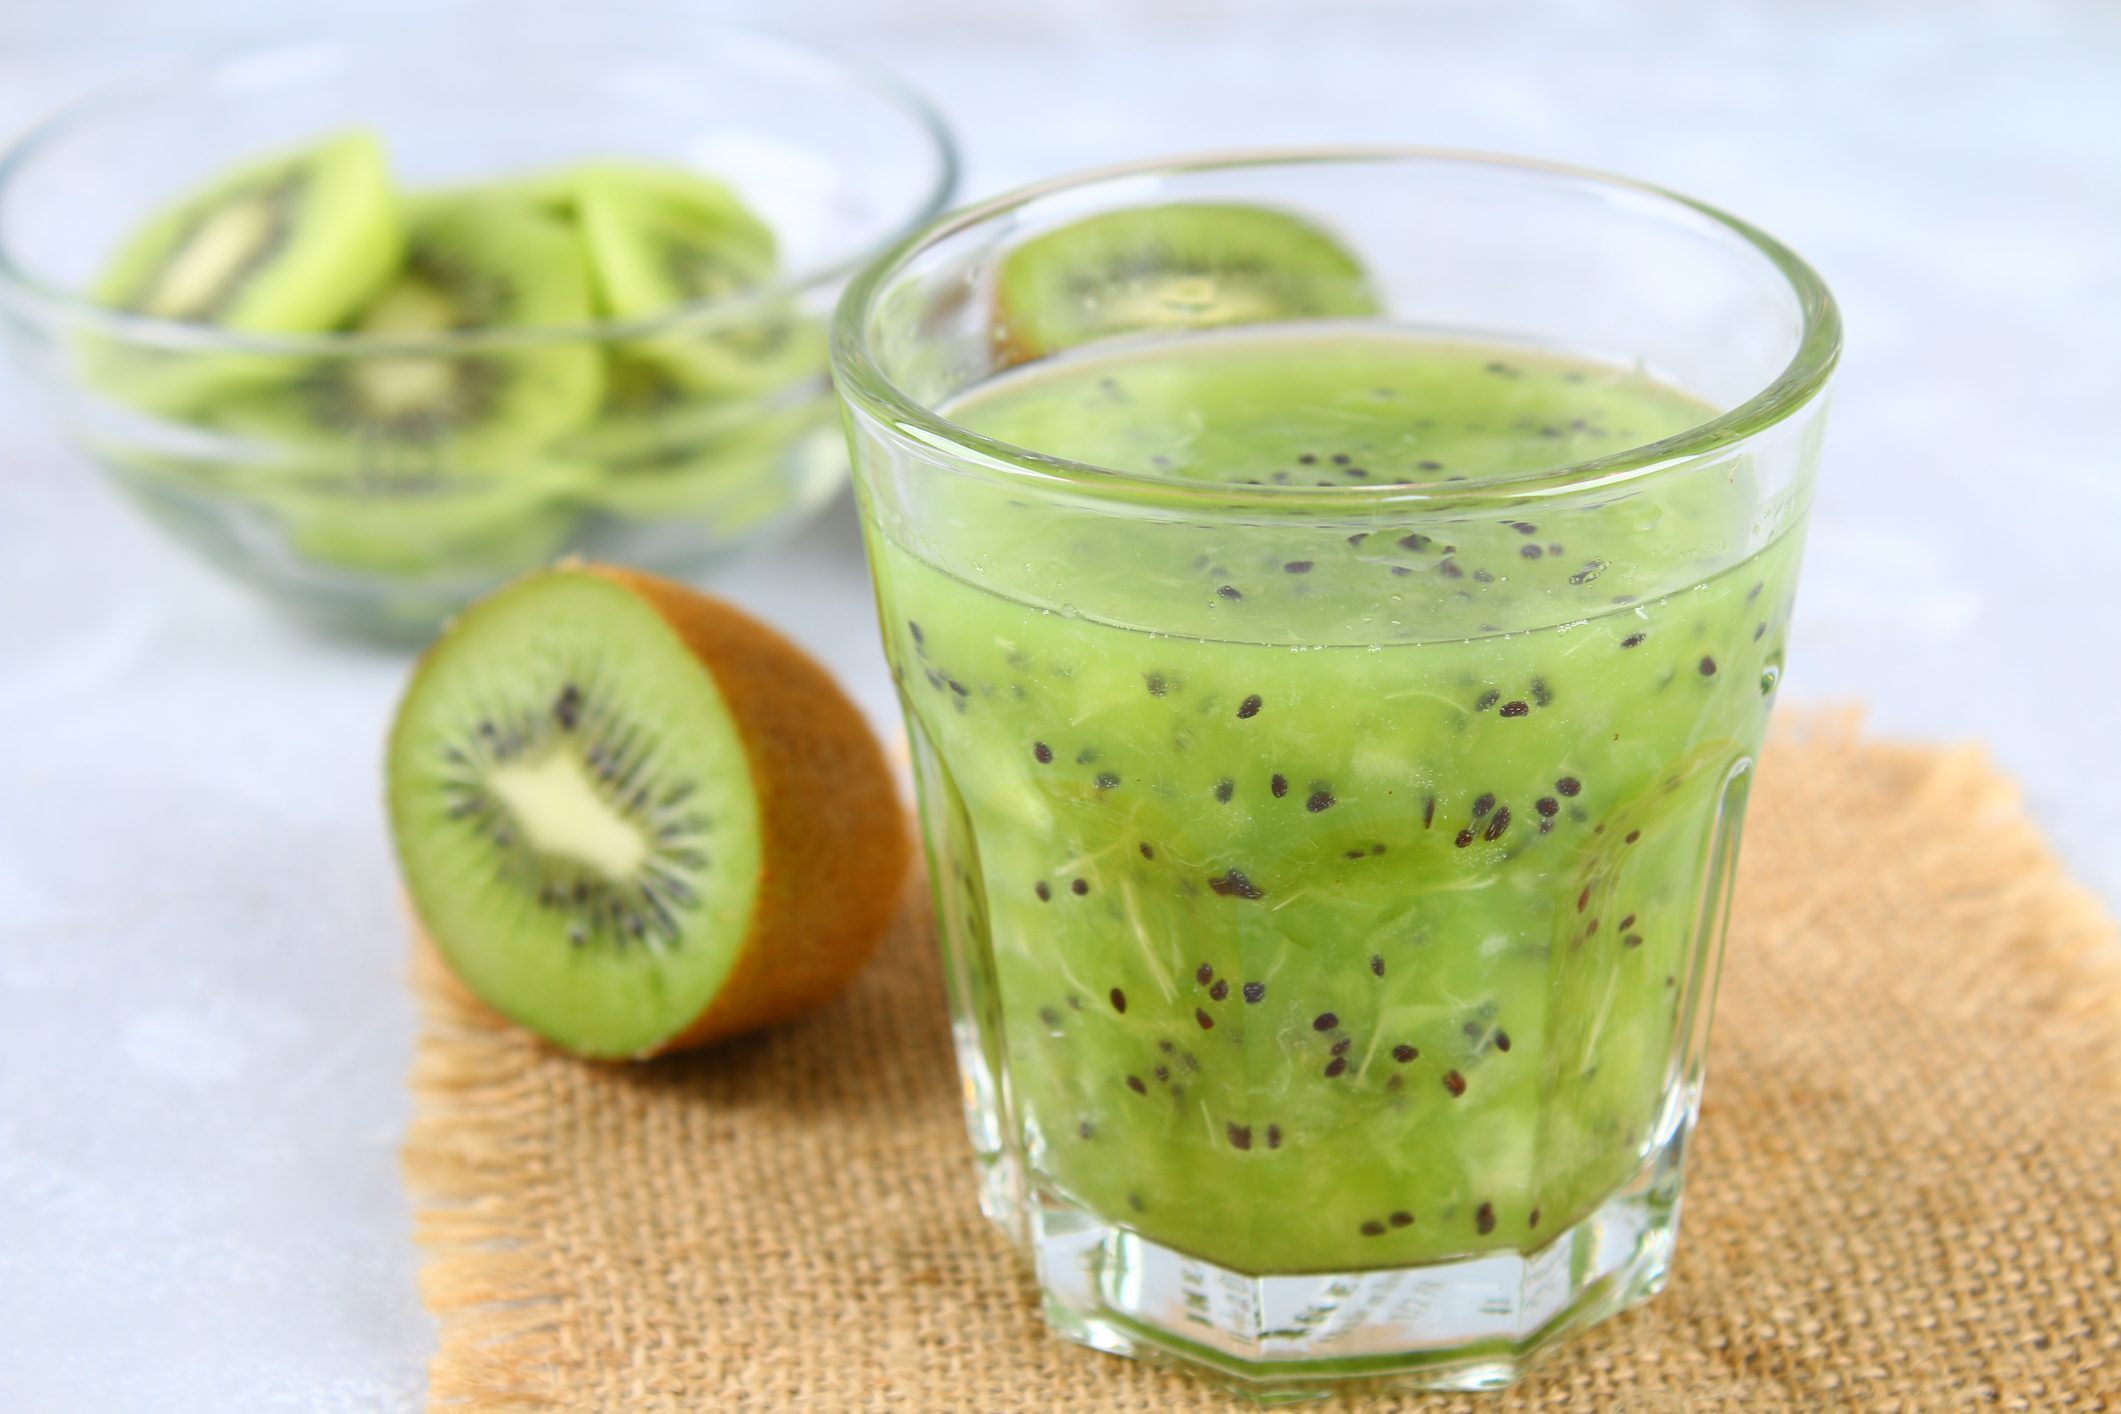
(835, 848)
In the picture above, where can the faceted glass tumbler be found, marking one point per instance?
(1332, 876)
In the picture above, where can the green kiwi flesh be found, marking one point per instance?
(663, 240)
(291, 244)
(1179, 266)
(575, 816)
(469, 265)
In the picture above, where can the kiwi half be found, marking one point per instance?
(1180, 266)
(633, 819)
(292, 244)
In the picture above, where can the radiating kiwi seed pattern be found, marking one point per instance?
(575, 815)
(1355, 956)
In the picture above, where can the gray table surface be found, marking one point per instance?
(201, 964)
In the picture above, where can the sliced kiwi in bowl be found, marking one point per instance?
(294, 243)
(665, 240)
(632, 819)
(437, 457)
(489, 526)
(470, 265)
(1184, 265)
(661, 450)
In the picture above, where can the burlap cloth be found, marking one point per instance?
(1905, 1193)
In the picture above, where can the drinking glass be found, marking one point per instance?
(1332, 860)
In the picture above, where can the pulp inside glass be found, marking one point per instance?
(1331, 902)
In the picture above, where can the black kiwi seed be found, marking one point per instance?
(566, 709)
(1043, 890)
(1134, 1083)
(1530, 552)
(1708, 666)
(1106, 780)
(1482, 806)
(1465, 838)
(1297, 567)
(1255, 991)
(1273, 1136)
(1484, 1218)
(1320, 801)
(1325, 1021)
(1279, 785)
(1568, 785)
(1204, 974)
(1079, 887)
(1377, 964)
(1207, 1022)
(1404, 1053)
(1119, 1001)
(1336, 1067)
(1486, 700)
(1515, 709)
(1229, 591)
(1496, 826)
(1148, 851)
(1219, 991)
(1455, 1083)
(1041, 752)
(1249, 708)
(1234, 884)
(1240, 1135)
(1223, 790)
(1156, 684)
(1401, 1219)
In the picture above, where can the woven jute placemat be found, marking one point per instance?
(1906, 1193)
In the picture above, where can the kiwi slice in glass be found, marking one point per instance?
(1186, 265)
(292, 244)
(632, 819)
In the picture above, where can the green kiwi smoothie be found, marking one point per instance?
(1323, 896)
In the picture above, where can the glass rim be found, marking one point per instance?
(23, 289)
(863, 383)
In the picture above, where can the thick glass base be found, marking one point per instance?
(1471, 1324)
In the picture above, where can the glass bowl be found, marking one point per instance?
(385, 534)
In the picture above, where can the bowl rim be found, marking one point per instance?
(865, 387)
(38, 299)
